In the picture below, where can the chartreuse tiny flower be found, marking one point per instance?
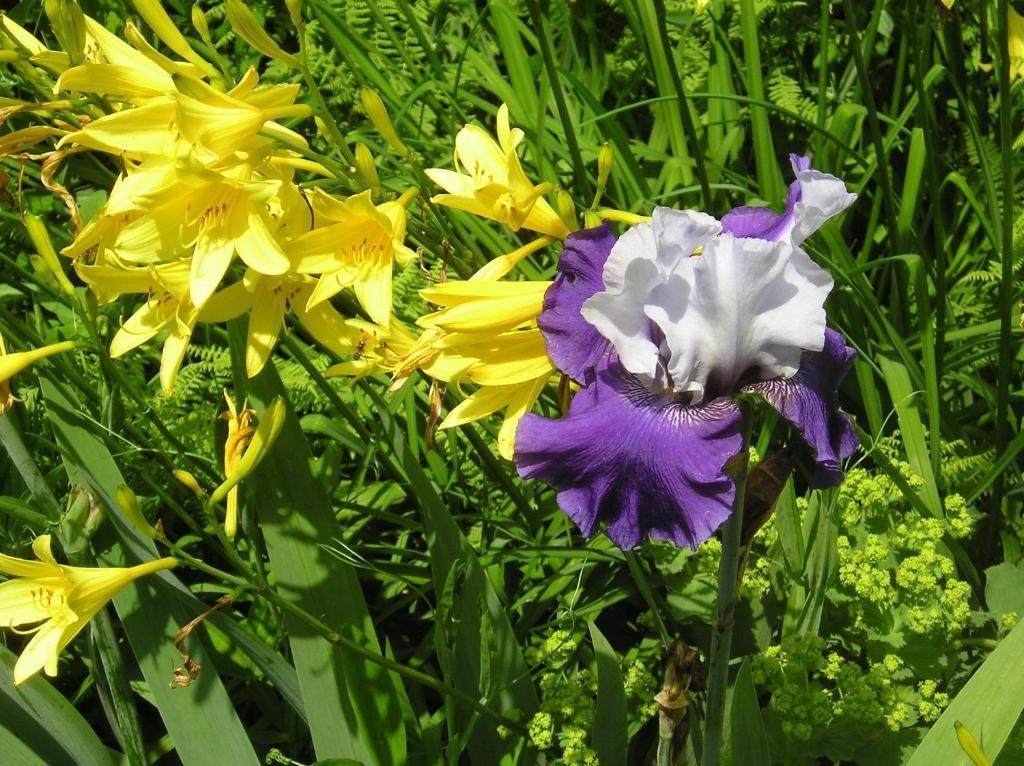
(485, 333)
(62, 599)
(489, 181)
(661, 328)
(12, 364)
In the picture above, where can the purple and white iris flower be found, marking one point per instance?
(661, 328)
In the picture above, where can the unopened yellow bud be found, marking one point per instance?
(378, 114)
(156, 17)
(12, 364)
(367, 169)
(188, 481)
(8, 55)
(970, 745)
(68, 24)
(248, 27)
(605, 160)
(566, 209)
(48, 256)
(202, 26)
(266, 434)
(132, 511)
(295, 11)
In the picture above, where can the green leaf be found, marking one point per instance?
(904, 399)
(749, 739)
(988, 705)
(351, 704)
(1004, 588)
(39, 726)
(609, 736)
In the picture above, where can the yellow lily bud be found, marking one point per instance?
(60, 598)
(566, 208)
(41, 239)
(366, 167)
(68, 23)
(605, 160)
(12, 364)
(970, 745)
(200, 24)
(189, 481)
(295, 11)
(266, 434)
(248, 27)
(156, 17)
(8, 56)
(130, 507)
(378, 114)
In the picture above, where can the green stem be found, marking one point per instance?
(1006, 286)
(721, 637)
(579, 172)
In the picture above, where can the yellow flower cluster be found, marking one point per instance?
(206, 219)
(484, 331)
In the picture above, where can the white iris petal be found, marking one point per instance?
(822, 196)
(752, 305)
(744, 306)
(642, 258)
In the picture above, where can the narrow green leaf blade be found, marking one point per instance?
(610, 732)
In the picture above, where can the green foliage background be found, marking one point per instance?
(865, 610)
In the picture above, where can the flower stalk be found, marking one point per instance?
(721, 636)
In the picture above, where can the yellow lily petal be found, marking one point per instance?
(20, 603)
(158, 20)
(233, 300)
(113, 80)
(171, 357)
(210, 261)
(521, 402)
(480, 404)
(12, 364)
(138, 132)
(330, 328)
(265, 323)
(480, 155)
(42, 652)
(259, 248)
(374, 294)
(146, 322)
(499, 267)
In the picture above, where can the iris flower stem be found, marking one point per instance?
(721, 636)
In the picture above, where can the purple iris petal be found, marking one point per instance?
(573, 344)
(808, 400)
(639, 462)
(763, 222)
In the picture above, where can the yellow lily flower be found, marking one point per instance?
(178, 211)
(268, 299)
(486, 333)
(378, 350)
(62, 599)
(12, 364)
(356, 249)
(489, 181)
(168, 306)
(240, 433)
